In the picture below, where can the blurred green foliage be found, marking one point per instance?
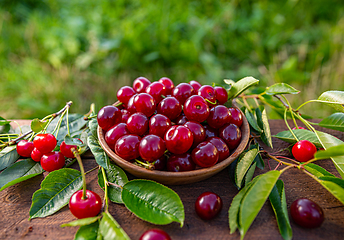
(82, 50)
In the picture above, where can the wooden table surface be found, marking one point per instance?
(15, 203)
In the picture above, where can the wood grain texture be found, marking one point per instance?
(15, 203)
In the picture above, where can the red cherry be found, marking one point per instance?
(124, 94)
(159, 124)
(66, 149)
(24, 148)
(236, 116)
(205, 154)
(306, 213)
(208, 205)
(219, 116)
(108, 116)
(155, 234)
(170, 107)
(221, 95)
(196, 109)
(178, 139)
(45, 142)
(114, 133)
(125, 115)
(156, 89)
(182, 92)
(197, 130)
(151, 148)
(131, 107)
(36, 155)
(221, 146)
(85, 208)
(208, 92)
(145, 104)
(169, 85)
(127, 147)
(231, 134)
(196, 85)
(160, 163)
(140, 84)
(52, 161)
(181, 120)
(180, 163)
(303, 150)
(137, 124)
(210, 132)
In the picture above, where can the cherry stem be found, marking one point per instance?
(118, 104)
(86, 118)
(279, 164)
(146, 165)
(78, 158)
(115, 185)
(276, 159)
(105, 190)
(289, 159)
(206, 99)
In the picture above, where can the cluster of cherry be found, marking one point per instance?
(189, 120)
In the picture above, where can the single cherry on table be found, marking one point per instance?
(303, 150)
(84, 208)
(306, 213)
(208, 205)
(155, 234)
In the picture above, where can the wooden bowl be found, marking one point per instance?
(177, 178)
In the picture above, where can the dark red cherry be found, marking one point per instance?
(236, 116)
(36, 155)
(196, 109)
(221, 95)
(196, 85)
(124, 94)
(151, 147)
(145, 104)
(221, 146)
(231, 134)
(160, 163)
(125, 115)
(208, 205)
(24, 148)
(219, 116)
(114, 133)
(85, 208)
(210, 132)
(197, 130)
(155, 234)
(159, 124)
(181, 120)
(170, 107)
(178, 139)
(137, 123)
(108, 116)
(208, 93)
(180, 163)
(205, 154)
(304, 150)
(140, 84)
(66, 149)
(52, 161)
(306, 213)
(182, 92)
(169, 85)
(156, 89)
(131, 106)
(127, 147)
(45, 142)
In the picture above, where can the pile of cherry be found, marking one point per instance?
(173, 128)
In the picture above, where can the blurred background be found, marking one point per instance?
(52, 52)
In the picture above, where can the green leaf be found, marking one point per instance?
(330, 185)
(281, 88)
(8, 156)
(252, 120)
(56, 190)
(317, 170)
(38, 125)
(244, 163)
(93, 125)
(250, 173)
(241, 85)
(72, 141)
(301, 134)
(255, 198)
(88, 232)
(81, 222)
(110, 229)
(330, 152)
(114, 174)
(18, 172)
(334, 98)
(99, 154)
(279, 204)
(338, 181)
(259, 160)
(3, 121)
(263, 123)
(76, 122)
(334, 121)
(153, 202)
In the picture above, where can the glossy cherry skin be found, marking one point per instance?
(52, 161)
(137, 124)
(180, 163)
(236, 116)
(125, 115)
(178, 139)
(196, 109)
(160, 163)
(66, 149)
(197, 130)
(85, 208)
(182, 92)
(306, 213)
(159, 124)
(231, 134)
(156, 89)
(145, 104)
(303, 150)
(114, 133)
(124, 94)
(140, 84)
(208, 92)
(205, 154)
(219, 116)
(221, 95)
(168, 83)
(151, 147)
(221, 146)
(210, 132)
(127, 147)
(181, 120)
(170, 107)
(196, 85)
(45, 142)
(208, 205)
(131, 106)
(24, 148)
(108, 116)
(155, 234)
(36, 155)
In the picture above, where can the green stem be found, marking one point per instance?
(105, 190)
(78, 158)
(68, 131)
(286, 123)
(319, 101)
